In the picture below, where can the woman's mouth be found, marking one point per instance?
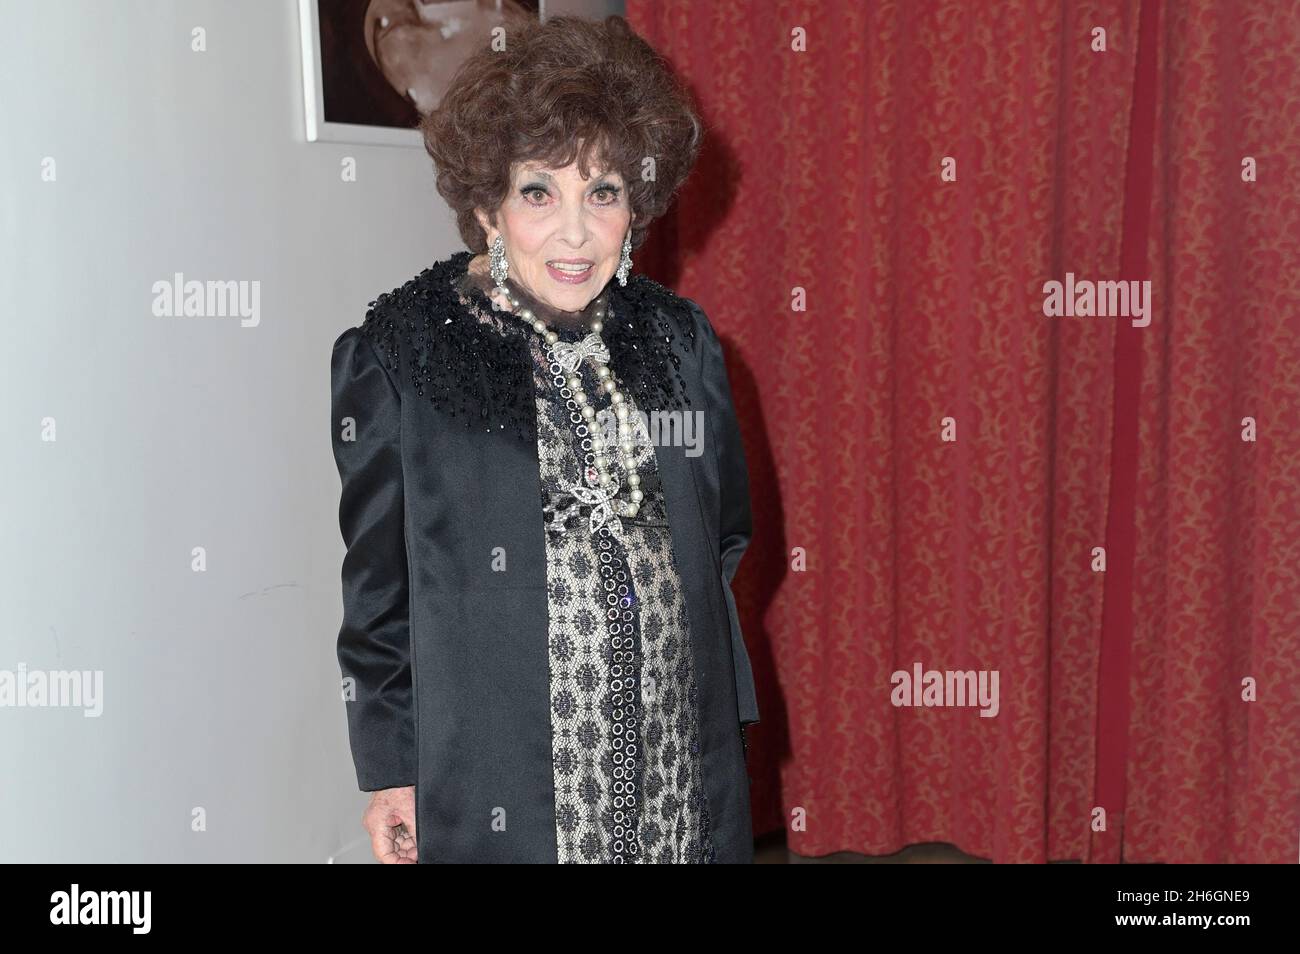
(572, 272)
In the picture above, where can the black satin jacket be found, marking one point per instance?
(445, 661)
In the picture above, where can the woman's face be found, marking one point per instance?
(563, 234)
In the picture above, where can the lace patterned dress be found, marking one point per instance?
(624, 722)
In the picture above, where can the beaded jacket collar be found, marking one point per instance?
(480, 373)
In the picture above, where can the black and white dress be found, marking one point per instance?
(624, 712)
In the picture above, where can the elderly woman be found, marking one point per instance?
(544, 494)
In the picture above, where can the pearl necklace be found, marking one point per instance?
(603, 487)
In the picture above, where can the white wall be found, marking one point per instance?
(220, 688)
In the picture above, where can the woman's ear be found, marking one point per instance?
(485, 221)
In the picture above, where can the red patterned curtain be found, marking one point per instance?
(939, 469)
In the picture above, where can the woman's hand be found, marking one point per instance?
(390, 820)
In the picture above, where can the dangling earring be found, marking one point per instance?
(625, 263)
(497, 263)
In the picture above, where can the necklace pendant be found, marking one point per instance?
(603, 515)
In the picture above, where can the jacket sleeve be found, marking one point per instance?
(735, 525)
(374, 645)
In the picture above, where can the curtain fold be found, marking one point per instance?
(1212, 776)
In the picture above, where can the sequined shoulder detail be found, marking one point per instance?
(480, 373)
(649, 330)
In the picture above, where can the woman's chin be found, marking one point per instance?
(567, 300)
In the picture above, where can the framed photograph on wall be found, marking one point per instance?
(372, 68)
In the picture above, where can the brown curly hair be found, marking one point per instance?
(558, 87)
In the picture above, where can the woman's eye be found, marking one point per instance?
(528, 192)
(612, 196)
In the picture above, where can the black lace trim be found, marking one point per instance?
(708, 850)
(481, 373)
